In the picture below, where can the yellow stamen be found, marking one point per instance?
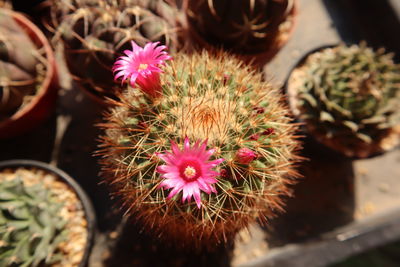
(142, 66)
(189, 172)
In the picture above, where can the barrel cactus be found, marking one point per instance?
(349, 98)
(206, 153)
(31, 227)
(22, 66)
(248, 27)
(93, 33)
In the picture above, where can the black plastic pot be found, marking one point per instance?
(87, 205)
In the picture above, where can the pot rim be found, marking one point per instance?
(90, 215)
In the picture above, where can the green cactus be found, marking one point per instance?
(244, 27)
(217, 99)
(31, 227)
(95, 33)
(21, 68)
(349, 97)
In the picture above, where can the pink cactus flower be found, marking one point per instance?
(189, 171)
(142, 67)
(245, 155)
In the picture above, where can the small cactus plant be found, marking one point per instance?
(248, 27)
(93, 33)
(22, 66)
(31, 227)
(349, 98)
(209, 153)
(42, 221)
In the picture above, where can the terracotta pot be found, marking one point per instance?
(387, 141)
(89, 212)
(258, 60)
(44, 102)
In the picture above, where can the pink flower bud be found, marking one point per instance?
(254, 137)
(245, 155)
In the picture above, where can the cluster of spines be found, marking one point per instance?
(140, 127)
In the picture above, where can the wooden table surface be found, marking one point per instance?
(335, 192)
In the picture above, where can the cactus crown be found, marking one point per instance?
(22, 66)
(351, 94)
(245, 27)
(30, 225)
(216, 99)
(94, 33)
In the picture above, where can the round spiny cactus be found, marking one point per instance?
(349, 97)
(95, 32)
(248, 27)
(215, 132)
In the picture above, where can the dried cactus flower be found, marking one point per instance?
(243, 27)
(94, 33)
(173, 159)
(22, 67)
(349, 97)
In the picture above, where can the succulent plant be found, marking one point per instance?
(94, 33)
(31, 227)
(244, 27)
(349, 97)
(215, 132)
(21, 68)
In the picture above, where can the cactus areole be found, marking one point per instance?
(185, 161)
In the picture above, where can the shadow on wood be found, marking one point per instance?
(134, 248)
(323, 199)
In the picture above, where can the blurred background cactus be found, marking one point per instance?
(95, 33)
(349, 97)
(42, 219)
(22, 66)
(31, 228)
(246, 27)
(214, 101)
